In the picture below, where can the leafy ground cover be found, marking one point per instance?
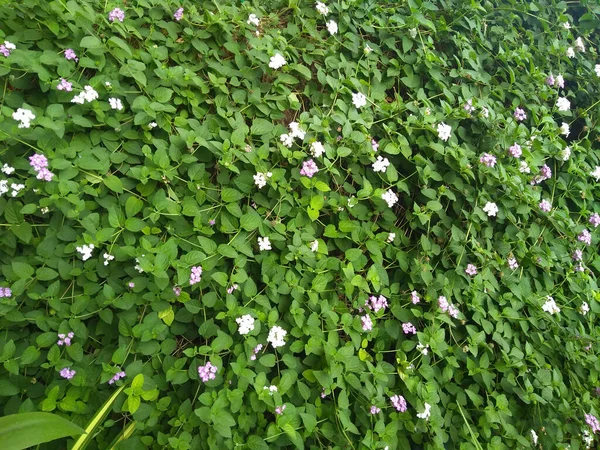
(351, 225)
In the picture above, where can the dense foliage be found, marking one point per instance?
(397, 200)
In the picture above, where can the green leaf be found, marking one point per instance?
(261, 127)
(230, 195)
(250, 221)
(113, 183)
(16, 430)
(91, 42)
(133, 205)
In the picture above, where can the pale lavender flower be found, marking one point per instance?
(117, 377)
(399, 402)
(592, 421)
(38, 162)
(520, 114)
(560, 81)
(64, 85)
(257, 349)
(5, 292)
(6, 48)
(211, 222)
(45, 175)
(515, 150)
(116, 14)
(374, 144)
(367, 323)
(471, 270)
(377, 303)
(279, 410)
(577, 255)
(178, 14)
(131, 285)
(374, 410)
(195, 275)
(545, 205)
(550, 80)
(414, 297)
(488, 160)
(443, 303)
(70, 55)
(207, 372)
(309, 168)
(232, 288)
(595, 219)
(65, 339)
(67, 373)
(409, 328)
(585, 237)
(177, 291)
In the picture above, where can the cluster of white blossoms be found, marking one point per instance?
(332, 27)
(314, 245)
(7, 169)
(550, 306)
(322, 8)
(426, 413)
(264, 243)
(564, 129)
(563, 104)
(444, 131)
(596, 173)
(491, 209)
(390, 198)
(287, 139)
(25, 116)
(260, 179)
(115, 103)
(277, 61)
(597, 69)
(391, 237)
(14, 186)
(381, 164)
(317, 149)
(87, 95)
(107, 258)
(359, 100)
(272, 389)
(253, 20)
(246, 324)
(86, 251)
(276, 336)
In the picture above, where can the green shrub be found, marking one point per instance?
(181, 199)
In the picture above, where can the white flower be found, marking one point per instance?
(87, 95)
(584, 308)
(565, 154)
(45, 210)
(9, 45)
(563, 104)
(332, 27)
(3, 187)
(444, 131)
(152, 125)
(567, 25)
(253, 20)
(277, 61)
(25, 116)
(485, 112)
(296, 131)
(359, 100)
(550, 306)
(523, 167)
(260, 179)
(7, 169)
(560, 81)
(317, 149)
(322, 8)
(426, 413)
(115, 103)
(276, 335)
(391, 237)
(597, 69)
(564, 129)
(108, 84)
(272, 389)
(137, 266)
(579, 44)
(16, 188)
(368, 50)
(246, 324)
(86, 251)
(571, 52)
(107, 258)
(534, 437)
(491, 209)
(314, 245)
(381, 164)
(596, 173)
(287, 140)
(264, 243)
(389, 197)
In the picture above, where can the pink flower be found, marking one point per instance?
(177, 291)
(196, 275)
(178, 14)
(45, 174)
(375, 145)
(367, 323)
(117, 377)
(116, 14)
(67, 373)
(577, 255)
(443, 303)
(515, 150)
(585, 237)
(65, 339)
(64, 85)
(131, 285)
(207, 372)
(38, 162)
(279, 410)
(5, 292)
(512, 263)
(409, 328)
(414, 297)
(471, 270)
(520, 114)
(374, 410)
(257, 349)
(309, 168)
(592, 421)
(550, 80)
(399, 402)
(488, 160)
(377, 303)
(595, 219)
(545, 205)
(70, 55)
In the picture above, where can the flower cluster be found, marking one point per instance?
(409, 328)
(317, 149)
(24, 117)
(260, 179)
(322, 8)
(488, 160)
(39, 163)
(287, 139)
(67, 373)
(70, 55)
(178, 15)
(107, 258)
(117, 377)
(264, 243)
(585, 237)
(246, 324)
(65, 339)
(276, 336)
(491, 209)
(115, 103)
(381, 164)
(595, 220)
(359, 99)
(6, 48)
(520, 114)
(545, 205)
(207, 372)
(426, 412)
(390, 198)
(117, 14)
(444, 131)
(277, 61)
(64, 85)
(471, 270)
(309, 168)
(87, 95)
(550, 306)
(332, 27)
(255, 351)
(592, 421)
(195, 275)
(374, 410)
(447, 307)
(515, 150)
(232, 288)
(5, 292)
(399, 402)
(86, 251)
(367, 323)
(377, 303)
